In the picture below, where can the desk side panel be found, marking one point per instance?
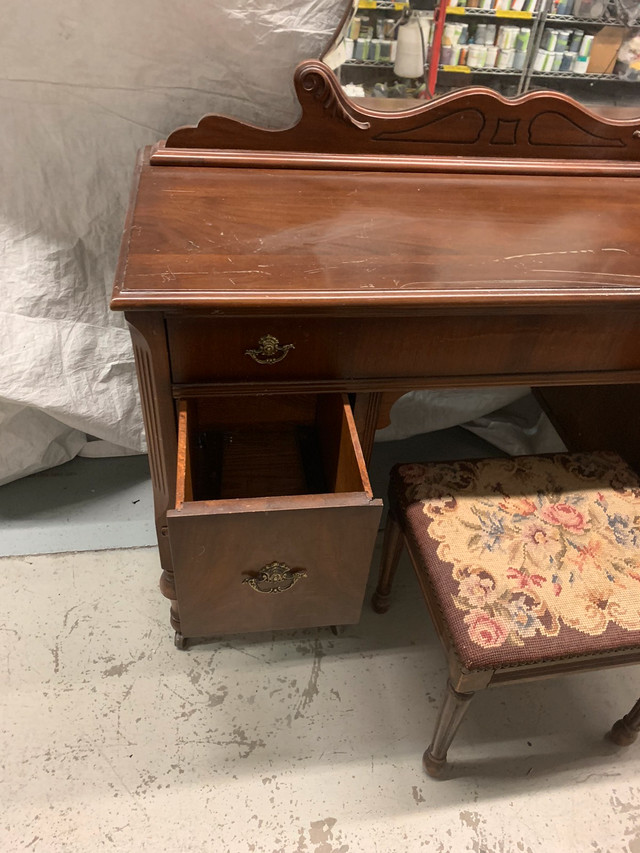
(154, 379)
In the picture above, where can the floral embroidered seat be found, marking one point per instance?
(528, 563)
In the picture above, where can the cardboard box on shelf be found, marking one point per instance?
(604, 50)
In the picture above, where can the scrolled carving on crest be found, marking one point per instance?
(315, 80)
(473, 128)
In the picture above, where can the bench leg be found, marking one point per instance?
(452, 711)
(625, 731)
(392, 546)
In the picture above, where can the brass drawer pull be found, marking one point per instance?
(276, 577)
(269, 350)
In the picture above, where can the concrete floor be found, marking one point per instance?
(292, 742)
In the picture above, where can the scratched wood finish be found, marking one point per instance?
(447, 346)
(474, 122)
(214, 553)
(217, 544)
(206, 238)
(471, 241)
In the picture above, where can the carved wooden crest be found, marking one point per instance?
(474, 122)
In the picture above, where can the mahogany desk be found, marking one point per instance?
(260, 297)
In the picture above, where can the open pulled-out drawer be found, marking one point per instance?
(275, 521)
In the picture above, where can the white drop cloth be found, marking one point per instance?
(508, 418)
(83, 86)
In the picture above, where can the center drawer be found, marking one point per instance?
(275, 521)
(276, 349)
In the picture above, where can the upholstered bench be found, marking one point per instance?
(530, 567)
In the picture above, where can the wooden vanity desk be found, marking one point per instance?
(282, 285)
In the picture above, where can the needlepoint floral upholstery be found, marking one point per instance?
(529, 559)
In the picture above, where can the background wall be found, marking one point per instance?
(83, 86)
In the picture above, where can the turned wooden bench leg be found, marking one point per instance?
(625, 731)
(452, 711)
(392, 546)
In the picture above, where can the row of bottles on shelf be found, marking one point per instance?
(505, 48)
(584, 9)
(496, 5)
(564, 51)
(484, 46)
(376, 40)
(364, 28)
(471, 44)
(588, 9)
(488, 46)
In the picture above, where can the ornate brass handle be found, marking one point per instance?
(275, 577)
(269, 350)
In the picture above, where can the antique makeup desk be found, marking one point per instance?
(282, 287)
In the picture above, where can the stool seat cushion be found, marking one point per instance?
(527, 559)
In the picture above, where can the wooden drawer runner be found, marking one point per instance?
(275, 521)
(209, 350)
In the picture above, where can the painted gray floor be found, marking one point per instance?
(83, 505)
(93, 504)
(287, 742)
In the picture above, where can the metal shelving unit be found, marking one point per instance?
(466, 69)
(373, 63)
(464, 11)
(512, 72)
(382, 5)
(583, 22)
(587, 78)
(540, 20)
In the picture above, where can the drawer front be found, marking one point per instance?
(327, 549)
(263, 555)
(209, 350)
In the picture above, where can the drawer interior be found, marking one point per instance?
(281, 445)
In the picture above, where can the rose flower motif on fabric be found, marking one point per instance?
(565, 515)
(487, 631)
(527, 564)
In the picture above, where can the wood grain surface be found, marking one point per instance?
(236, 239)
(217, 544)
(473, 241)
(471, 122)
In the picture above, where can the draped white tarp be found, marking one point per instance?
(83, 86)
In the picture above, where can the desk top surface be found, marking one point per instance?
(240, 238)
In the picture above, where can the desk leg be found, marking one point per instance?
(625, 731)
(372, 411)
(152, 365)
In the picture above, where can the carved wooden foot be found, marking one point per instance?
(180, 642)
(625, 731)
(174, 617)
(453, 710)
(433, 766)
(392, 546)
(168, 589)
